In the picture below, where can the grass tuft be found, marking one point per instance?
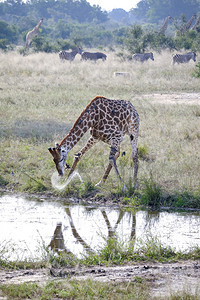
(151, 193)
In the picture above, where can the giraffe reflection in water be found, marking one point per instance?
(57, 240)
(58, 244)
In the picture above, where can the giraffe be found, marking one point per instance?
(165, 24)
(196, 23)
(30, 35)
(188, 24)
(108, 121)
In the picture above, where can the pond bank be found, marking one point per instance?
(163, 279)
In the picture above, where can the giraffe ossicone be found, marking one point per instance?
(108, 121)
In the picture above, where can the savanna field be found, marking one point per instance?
(41, 97)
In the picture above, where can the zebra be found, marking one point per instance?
(142, 56)
(184, 58)
(69, 55)
(93, 56)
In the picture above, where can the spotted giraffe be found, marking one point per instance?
(188, 24)
(165, 24)
(196, 24)
(108, 121)
(32, 33)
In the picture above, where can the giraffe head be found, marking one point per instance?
(59, 157)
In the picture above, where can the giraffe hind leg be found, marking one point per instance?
(133, 139)
(112, 160)
(114, 154)
(107, 172)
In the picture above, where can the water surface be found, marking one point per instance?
(27, 225)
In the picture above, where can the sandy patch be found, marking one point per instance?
(183, 98)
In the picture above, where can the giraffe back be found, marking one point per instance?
(105, 118)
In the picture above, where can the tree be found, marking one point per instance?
(155, 10)
(8, 32)
(119, 15)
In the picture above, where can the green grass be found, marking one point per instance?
(40, 98)
(115, 252)
(137, 289)
(73, 289)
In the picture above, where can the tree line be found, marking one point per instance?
(71, 23)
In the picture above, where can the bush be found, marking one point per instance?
(197, 70)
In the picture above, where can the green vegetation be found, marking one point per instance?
(74, 289)
(76, 23)
(153, 11)
(197, 70)
(87, 289)
(115, 252)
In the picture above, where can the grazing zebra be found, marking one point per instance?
(142, 56)
(93, 56)
(69, 55)
(184, 58)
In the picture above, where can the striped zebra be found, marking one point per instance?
(93, 56)
(184, 58)
(69, 55)
(142, 56)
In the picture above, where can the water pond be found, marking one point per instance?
(27, 225)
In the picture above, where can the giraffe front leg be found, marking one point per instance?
(79, 155)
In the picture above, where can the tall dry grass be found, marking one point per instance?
(41, 97)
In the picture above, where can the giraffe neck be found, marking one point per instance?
(196, 24)
(190, 22)
(86, 120)
(74, 135)
(187, 26)
(37, 26)
(164, 27)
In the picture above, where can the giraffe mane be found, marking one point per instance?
(77, 121)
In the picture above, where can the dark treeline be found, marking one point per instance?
(71, 23)
(155, 10)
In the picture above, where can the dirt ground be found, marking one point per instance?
(163, 278)
(174, 98)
